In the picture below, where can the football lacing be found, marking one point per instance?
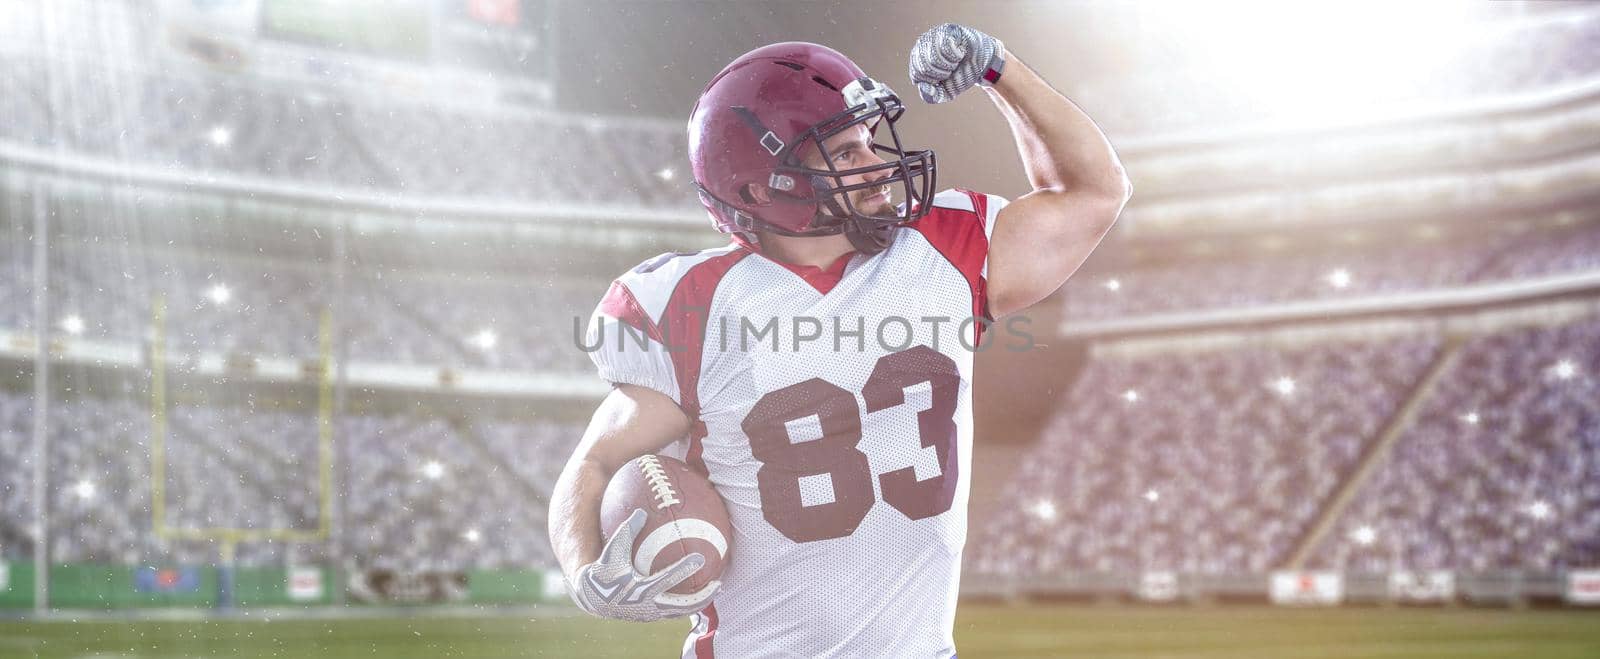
(659, 484)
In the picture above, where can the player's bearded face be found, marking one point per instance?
(852, 149)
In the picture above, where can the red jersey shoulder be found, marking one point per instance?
(642, 297)
(958, 227)
(957, 203)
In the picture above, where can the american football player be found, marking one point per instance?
(841, 440)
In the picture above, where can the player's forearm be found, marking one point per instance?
(575, 514)
(1062, 149)
(630, 422)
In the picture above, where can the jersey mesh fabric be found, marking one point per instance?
(882, 582)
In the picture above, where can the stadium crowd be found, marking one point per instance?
(407, 500)
(1500, 470)
(1202, 460)
(1211, 460)
(1397, 264)
(216, 123)
(238, 127)
(1205, 462)
(241, 305)
(1217, 461)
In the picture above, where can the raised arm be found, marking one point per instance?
(1079, 186)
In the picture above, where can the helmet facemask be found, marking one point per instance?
(910, 174)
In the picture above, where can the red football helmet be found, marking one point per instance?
(751, 123)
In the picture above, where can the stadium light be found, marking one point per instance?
(1045, 510)
(1339, 278)
(219, 294)
(1113, 285)
(1471, 418)
(1565, 369)
(472, 536)
(85, 489)
(432, 470)
(220, 136)
(73, 324)
(1539, 510)
(1152, 496)
(1364, 535)
(485, 339)
(1130, 396)
(1284, 386)
(666, 173)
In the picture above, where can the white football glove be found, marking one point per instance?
(950, 59)
(611, 588)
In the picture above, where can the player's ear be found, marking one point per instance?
(756, 194)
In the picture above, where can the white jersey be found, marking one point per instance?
(833, 414)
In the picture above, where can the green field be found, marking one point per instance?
(981, 631)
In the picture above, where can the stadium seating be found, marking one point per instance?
(16, 481)
(423, 319)
(273, 308)
(1199, 462)
(201, 122)
(243, 467)
(408, 509)
(1398, 264)
(1500, 471)
(1202, 462)
(1210, 461)
(233, 126)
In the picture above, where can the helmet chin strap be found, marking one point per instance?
(869, 237)
(865, 234)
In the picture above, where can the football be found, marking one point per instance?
(685, 515)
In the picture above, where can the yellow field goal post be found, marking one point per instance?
(229, 538)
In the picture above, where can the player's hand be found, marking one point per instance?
(950, 59)
(611, 588)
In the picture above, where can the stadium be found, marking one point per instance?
(292, 301)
